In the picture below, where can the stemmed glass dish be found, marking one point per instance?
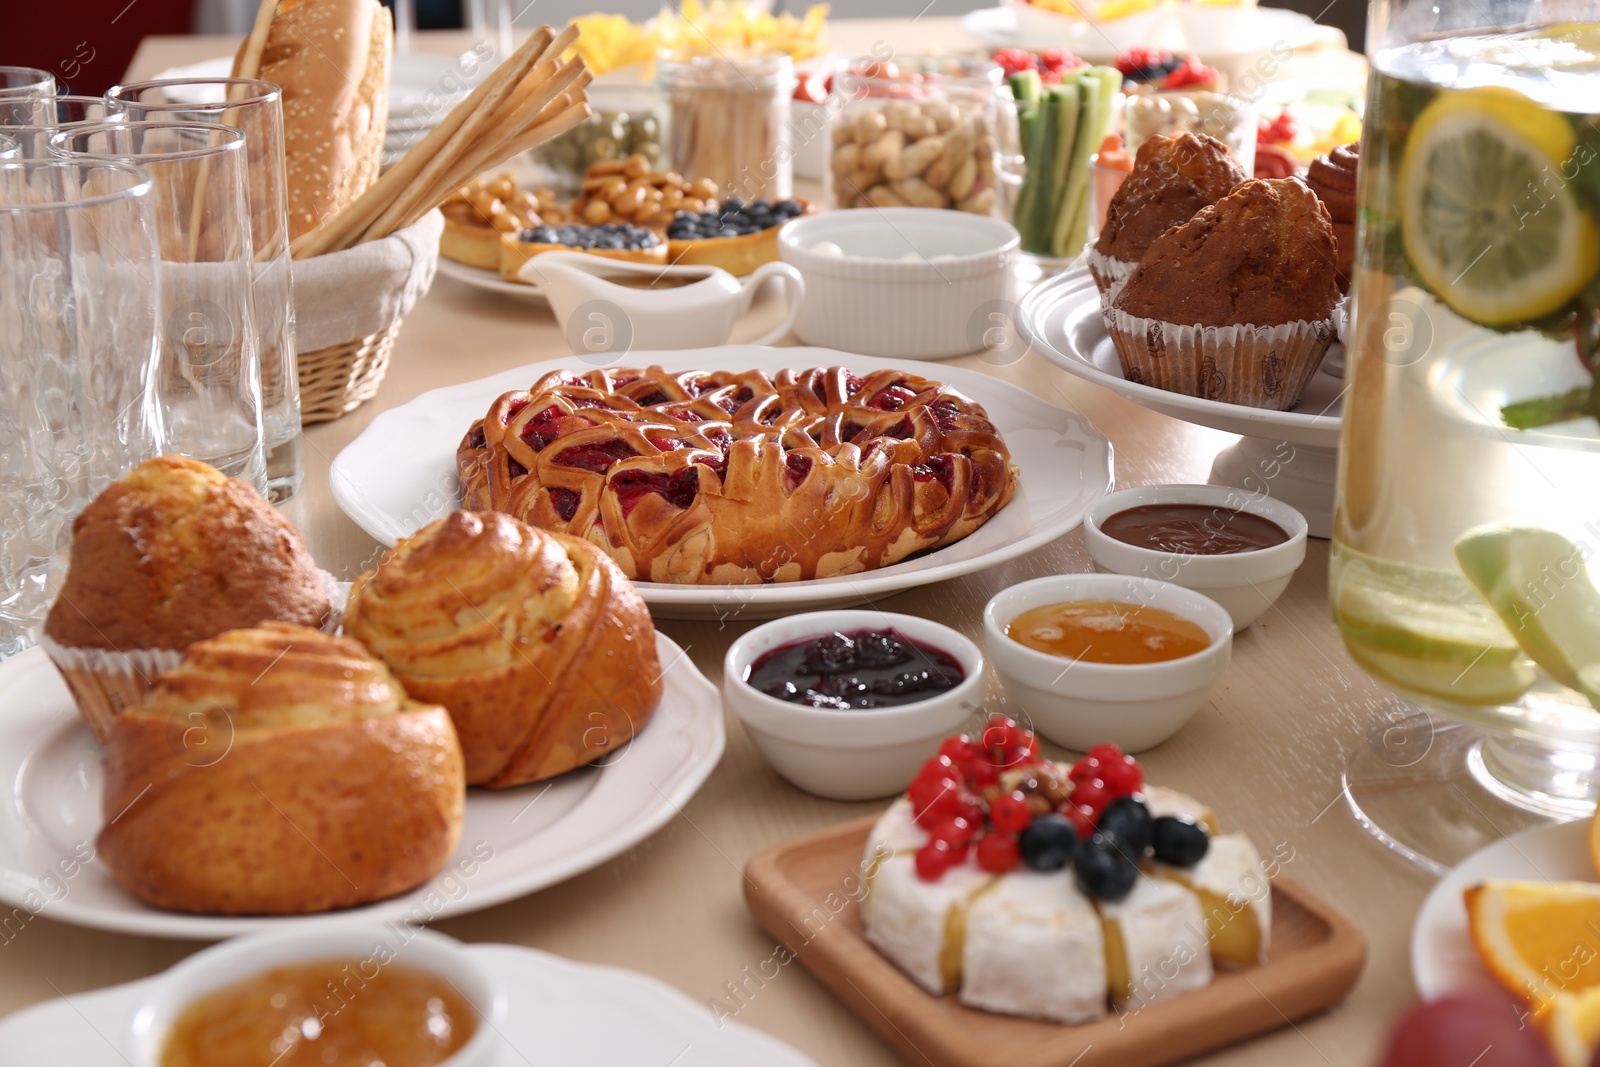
(1466, 518)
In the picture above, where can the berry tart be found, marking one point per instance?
(613, 240)
(738, 238)
(732, 478)
(1150, 70)
(1052, 890)
(477, 214)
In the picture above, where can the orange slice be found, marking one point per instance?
(1537, 938)
(1571, 1024)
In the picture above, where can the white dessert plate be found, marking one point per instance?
(514, 840)
(489, 281)
(1443, 961)
(563, 1014)
(1061, 320)
(400, 474)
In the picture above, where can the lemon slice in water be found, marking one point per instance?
(1488, 220)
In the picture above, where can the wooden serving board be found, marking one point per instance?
(805, 893)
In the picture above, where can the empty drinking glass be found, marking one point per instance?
(78, 349)
(23, 95)
(210, 374)
(60, 112)
(256, 108)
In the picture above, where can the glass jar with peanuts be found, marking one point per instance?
(925, 131)
(631, 190)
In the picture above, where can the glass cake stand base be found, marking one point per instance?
(1435, 790)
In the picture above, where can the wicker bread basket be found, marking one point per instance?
(348, 307)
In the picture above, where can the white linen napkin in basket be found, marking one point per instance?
(344, 296)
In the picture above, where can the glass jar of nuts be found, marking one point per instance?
(630, 190)
(929, 131)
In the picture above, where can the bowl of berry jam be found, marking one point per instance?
(1107, 657)
(848, 704)
(1238, 548)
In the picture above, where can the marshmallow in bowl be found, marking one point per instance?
(827, 248)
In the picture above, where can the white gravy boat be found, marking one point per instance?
(608, 305)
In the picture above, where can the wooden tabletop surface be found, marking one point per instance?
(1266, 752)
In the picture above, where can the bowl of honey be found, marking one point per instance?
(321, 993)
(1107, 657)
(1238, 548)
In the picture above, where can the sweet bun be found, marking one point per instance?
(279, 771)
(536, 643)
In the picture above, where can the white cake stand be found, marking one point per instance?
(1290, 455)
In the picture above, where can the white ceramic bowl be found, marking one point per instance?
(1245, 583)
(873, 301)
(850, 755)
(1079, 705)
(370, 945)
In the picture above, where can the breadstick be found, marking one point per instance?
(249, 64)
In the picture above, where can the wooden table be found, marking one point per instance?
(1267, 752)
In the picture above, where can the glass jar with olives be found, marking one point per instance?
(627, 121)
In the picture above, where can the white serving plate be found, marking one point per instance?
(523, 839)
(1443, 961)
(400, 474)
(1062, 322)
(563, 1014)
(490, 281)
(1216, 39)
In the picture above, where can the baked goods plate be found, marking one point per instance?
(1443, 960)
(794, 892)
(490, 282)
(514, 841)
(1065, 467)
(563, 1014)
(1061, 321)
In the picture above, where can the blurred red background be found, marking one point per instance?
(86, 44)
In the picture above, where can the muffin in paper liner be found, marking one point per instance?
(1256, 366)
(1108, 272)
(104, 682)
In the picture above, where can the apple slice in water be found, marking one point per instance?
(1537, 583)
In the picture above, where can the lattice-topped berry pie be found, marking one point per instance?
(716, 477)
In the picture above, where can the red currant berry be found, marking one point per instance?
(942, 806)
(998, 853)
(1123, 777)
(1105, 753)
(940, 766)
(982, 773)
(971, 811)
(956, 830)
(999, 734)
(1093, 794)
(933, 859)
(958, 750)
(1082, 819)
(1086, 768)
(1010, 813)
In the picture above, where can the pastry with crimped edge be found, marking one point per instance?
(721, 477)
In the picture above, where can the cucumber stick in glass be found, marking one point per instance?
(1062, 126)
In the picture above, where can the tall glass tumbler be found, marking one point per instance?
(24, 95)
(256, 108)
(61, 112)
(79, 306)
(210, 380)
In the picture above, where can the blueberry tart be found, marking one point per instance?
(738, 238)
(613, 240)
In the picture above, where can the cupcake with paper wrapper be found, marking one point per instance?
(173, 553)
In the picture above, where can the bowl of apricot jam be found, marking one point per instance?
(324, 993)
(1107, 657)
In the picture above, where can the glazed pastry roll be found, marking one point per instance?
(537, 644)
(279, 771)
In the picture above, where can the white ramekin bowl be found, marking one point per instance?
(850, 755)
(874, 301)
(367, 944)
(1245, 583)
(1079, 705)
